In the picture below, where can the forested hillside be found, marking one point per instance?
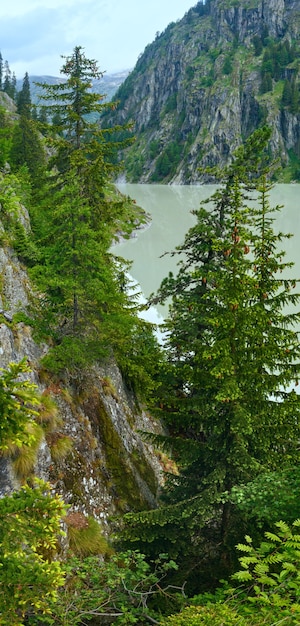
(133, 475)
(207, 82)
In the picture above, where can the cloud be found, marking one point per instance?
(45, 33)
(35, 33)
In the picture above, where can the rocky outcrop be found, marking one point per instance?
(197, 91)
(91, 450)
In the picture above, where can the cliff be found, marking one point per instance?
(207, 82)
(90, 448)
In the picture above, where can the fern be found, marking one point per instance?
(273, 569)
(272, 537)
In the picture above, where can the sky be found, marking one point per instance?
(34, 34)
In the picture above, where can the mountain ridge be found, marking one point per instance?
(206, 83)
(107, 85)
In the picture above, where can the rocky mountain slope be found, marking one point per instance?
(207, 82)
(90, 447)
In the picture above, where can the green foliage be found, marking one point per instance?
(227, 66)
(10, 82)
(266, 83)
(23, 244)
(24, 98)
(268, 590)
(5, 136)
(167, 161)
(14, 190)
(154, 147)
(275, 59)
(287, 93)
(258, 45)
(24, 457)
(190, 72)
(29, 573)
(27, 149)
(171, 103)
(215, 615)
(85, 307)
(272, 570)
(30, 518)
(270, 496)
(121, 590)
(18, 406)
(227, 389)
(60, 445)
(290, 96)
(85, 536)
(139, 362)
(74, 354)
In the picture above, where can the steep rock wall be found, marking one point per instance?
(106, 468)
(196, 92)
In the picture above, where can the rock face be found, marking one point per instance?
(105, 468)
(205, 84)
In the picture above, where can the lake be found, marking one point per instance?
(170, 208)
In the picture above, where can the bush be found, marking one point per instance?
(214, 615)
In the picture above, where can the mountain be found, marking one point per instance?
(207, 82)
(107, 85)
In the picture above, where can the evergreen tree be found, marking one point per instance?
(266, 83)
(286, 94)
(258, 46)
(27, 149)
(7, 78)
(84, 285)
(294, 105)
(42, 117)
(24, 98)
(13, 86)
(84, 146)
(5, 136)
(227, 67)
(10, 82)
(227, 393)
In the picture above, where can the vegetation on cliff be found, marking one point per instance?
(224, 387)
(206, 83)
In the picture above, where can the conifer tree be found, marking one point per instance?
(286, 93)
(10, 81)
(227, 392)
(7, 78)
(91, 312)
(27, 149)
(24, 98)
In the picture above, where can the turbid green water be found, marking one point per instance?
(170, 209)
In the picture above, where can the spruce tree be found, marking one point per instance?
(24, 98)
(7, 79)
(227, 394)
(87, 308)
(27, 149)
(10, 81)
(286, 98)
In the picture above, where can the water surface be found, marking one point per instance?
(170, 208)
